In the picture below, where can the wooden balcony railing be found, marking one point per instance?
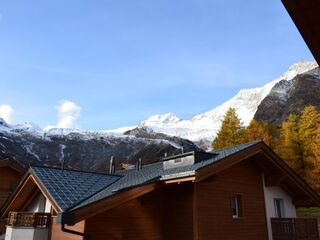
(294, 229)
(29, 219)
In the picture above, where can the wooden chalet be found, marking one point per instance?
(10, 175)
(243, 192)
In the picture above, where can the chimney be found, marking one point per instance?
(112, 167)
(62, 166)
(139, 164)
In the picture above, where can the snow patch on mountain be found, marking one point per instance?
(200, 127)
(206, 125)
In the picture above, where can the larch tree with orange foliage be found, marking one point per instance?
(289, 147)
(308, 128)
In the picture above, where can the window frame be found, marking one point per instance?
(278, 204)
(237, 199)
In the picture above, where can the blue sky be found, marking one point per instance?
(122, 61)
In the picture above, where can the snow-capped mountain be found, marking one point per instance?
(80, 149)
(205, 126)
(288, 97)
(159, 134)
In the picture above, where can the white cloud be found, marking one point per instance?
(68, 113)
(6, 112)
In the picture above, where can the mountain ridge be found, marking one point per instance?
(200, 127)
(160, 134)
(205, 126)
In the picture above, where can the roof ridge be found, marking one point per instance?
(238, 145)
(74, 170)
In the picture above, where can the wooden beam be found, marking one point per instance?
(305, 15)
(180, 180)
(227, 162)
(18, 199)
(13, 165)
(26, 190)
(274, 180)
(303, 203)
(292, 176)
(110, 202)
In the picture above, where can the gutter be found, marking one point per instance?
(82, 234)
(64, 218)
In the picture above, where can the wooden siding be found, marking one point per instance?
(140, 218)
(162, 214)
(9, 178)
(57, 234)
(213, 205)
(178, 209)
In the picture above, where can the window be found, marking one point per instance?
(279, 207)
(236, 206)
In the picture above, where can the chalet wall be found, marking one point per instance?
(162, 214)
(139, 219)
(9, 178)
(213, 205)
(276, 192)
(178, 209)
(57, 234)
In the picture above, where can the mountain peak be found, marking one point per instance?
(299, 68)
(206, 125)
(167, 118)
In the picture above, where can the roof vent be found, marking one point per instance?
(186, 159)
(112, 167)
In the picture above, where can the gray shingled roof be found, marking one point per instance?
(68, 187)
(155, 172)
(72, 189)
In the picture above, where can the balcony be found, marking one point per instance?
(294, 229)
(29, 219)
(28, 226)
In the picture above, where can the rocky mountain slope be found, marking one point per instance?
(28, 144)
(290, 97)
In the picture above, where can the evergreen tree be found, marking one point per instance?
(308, 128)
(231, 131)
(289, 145)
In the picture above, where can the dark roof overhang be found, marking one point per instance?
(306, 17)
(12, 164)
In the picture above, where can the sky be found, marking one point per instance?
(104, 64)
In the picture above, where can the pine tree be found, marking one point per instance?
(308, 127)
(289, 144)
(231, 131)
